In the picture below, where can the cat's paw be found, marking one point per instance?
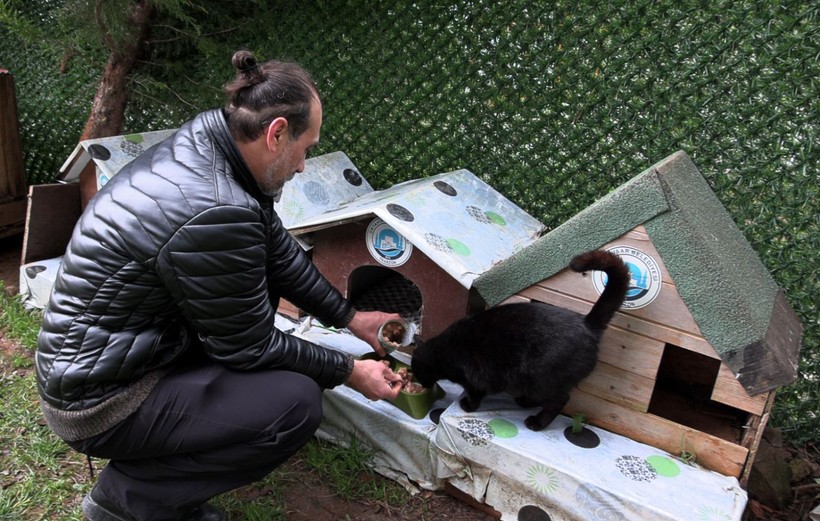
(467, 405)
(533, 423)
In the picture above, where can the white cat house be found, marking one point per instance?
(414, 248)
(429, 238)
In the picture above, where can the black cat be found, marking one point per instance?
(536, 352)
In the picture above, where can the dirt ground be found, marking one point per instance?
(310, 498)
(10, 252)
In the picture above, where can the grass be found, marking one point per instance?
(350, 474)
(41, 478)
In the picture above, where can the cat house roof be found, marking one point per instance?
(460, 222)
(109, 153)
(738, 307)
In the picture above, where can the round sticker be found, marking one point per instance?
(664, 466)
(503, 428)
(645, 277)
(386, 245)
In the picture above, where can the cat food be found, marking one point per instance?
(414, 399)
(392, 334)
(407, 383)
(413, 388)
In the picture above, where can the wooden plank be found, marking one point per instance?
(729, 391)
(288, 309)
(668, 308)
(470, 500)
(11, 230)
(13, 212)
(53, 210)
(637, 233)
(513, 299)
(775, 357)
(756, 423)
(630, 322)
(630, 351)
(12, 173)
(753, 435)
(619, 387)
(711, 452)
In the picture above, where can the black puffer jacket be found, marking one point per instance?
(181, 250)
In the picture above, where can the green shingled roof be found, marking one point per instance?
(737, 305)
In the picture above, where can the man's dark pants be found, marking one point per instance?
(202, 431)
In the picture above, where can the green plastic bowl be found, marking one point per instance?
(416, 405)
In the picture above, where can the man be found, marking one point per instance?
(158, 349)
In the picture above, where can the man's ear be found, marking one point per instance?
(276, 134)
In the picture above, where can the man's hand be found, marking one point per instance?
(365, 325)
(375, 380)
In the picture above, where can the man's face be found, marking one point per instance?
(291, 158)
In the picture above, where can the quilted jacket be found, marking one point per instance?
(180, 250)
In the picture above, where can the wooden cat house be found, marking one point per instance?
(692, 361)
(414, 248)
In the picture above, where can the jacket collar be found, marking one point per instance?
(217, 128)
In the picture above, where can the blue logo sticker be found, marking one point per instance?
(386, 245)
(645, 277)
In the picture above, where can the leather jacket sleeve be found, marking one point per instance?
(292, 275)
(215, 267)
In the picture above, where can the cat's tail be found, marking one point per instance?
(617, 284)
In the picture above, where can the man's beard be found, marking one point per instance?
(272, 185)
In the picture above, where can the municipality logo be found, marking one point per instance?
(645, 277)
(386, 245)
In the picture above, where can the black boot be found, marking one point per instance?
(97, 507)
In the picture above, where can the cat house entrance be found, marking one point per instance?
(375, 288)
(683, 390)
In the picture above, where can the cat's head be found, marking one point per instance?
(422, 364)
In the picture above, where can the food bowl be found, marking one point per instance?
(416, 405)
(394, 334)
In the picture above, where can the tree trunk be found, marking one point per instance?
(108, 108)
